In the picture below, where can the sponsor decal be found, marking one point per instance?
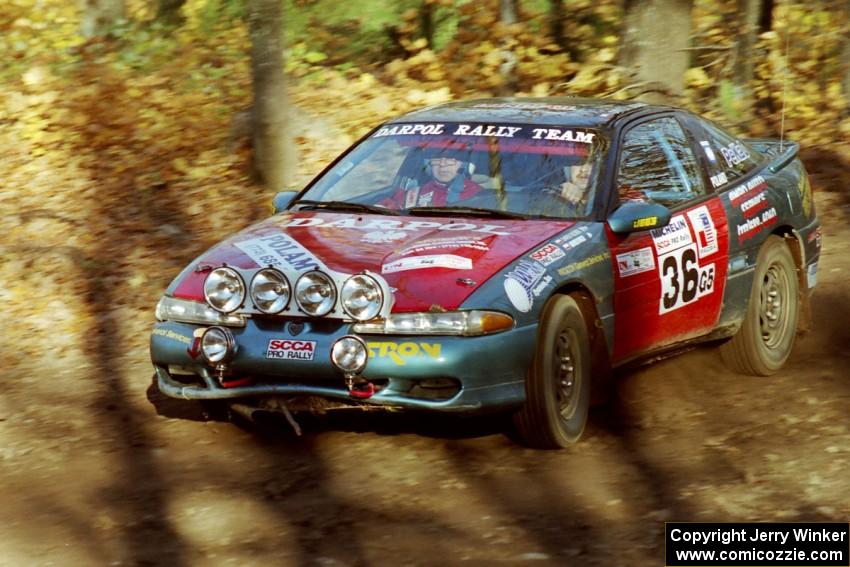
(645, 222)
(635, 262)
(683, 279)
(289, 349)
(381, 237)
(388, 225)
(573, 238)
(547, 254)
(520, 284)
(589, 261)
(562, 135)
(814, 236)
(675, 235)
(443, 244)
(433, 261)
(280, 251)
(719, 179)
(541, 287)
(706, 234)
(753, 226)
(757, 183)
(169, 334)
(410, 130)
(709, 153)
(402, 353)
(735, 153)
(755, 204)
(812, 275)
(752, 201)
(488, 130)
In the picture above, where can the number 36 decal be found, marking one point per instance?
(683, 280)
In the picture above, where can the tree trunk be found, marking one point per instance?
(169, 12)
(97, 16)
(749, 20)
(556, 23)
(272, 147)
(656, 36)
(507, 15)
(426, 22)
(766, 16)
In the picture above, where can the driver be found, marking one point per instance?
(449, 184)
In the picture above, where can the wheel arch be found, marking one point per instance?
(795, 245)
(601, 375)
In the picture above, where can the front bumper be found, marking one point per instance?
(451, 374)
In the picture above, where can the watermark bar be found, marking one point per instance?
(757, 544)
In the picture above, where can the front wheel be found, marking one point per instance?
(764, 341)
(557, 389)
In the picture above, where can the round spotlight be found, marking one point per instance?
(270, 291)
(217, 345)
(361, 297)
(350, 355)
(224, 290)
(315, 293)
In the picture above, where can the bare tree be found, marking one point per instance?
(656, 35)
(97, 16)
(272, 146)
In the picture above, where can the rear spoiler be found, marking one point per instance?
(780, 153)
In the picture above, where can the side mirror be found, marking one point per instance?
(282, 200)
(633, 216)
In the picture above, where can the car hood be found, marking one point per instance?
(428, 261)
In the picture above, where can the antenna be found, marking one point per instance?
(784, 86)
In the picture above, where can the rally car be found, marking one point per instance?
(500, 255)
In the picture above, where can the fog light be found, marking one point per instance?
(217, 345)
(349, 354)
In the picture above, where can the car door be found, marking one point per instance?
(669, 281)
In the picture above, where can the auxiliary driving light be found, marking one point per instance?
(349, 354)
(217, 345)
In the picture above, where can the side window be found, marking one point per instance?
(658, 165)
(729, 158)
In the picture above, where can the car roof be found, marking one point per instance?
(583, 112)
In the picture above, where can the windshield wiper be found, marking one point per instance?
(344, 206)
(469, 212)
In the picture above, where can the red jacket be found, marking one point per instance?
(432, 194)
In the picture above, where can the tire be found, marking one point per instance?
(557, 387)
(763, 343)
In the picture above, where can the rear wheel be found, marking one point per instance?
(557, 388)
(764, 341)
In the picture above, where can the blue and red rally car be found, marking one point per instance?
(501, 254)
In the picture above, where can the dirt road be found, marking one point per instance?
(91, 475)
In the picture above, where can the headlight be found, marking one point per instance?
(361, 297)
(186, 311)
(217, 345)
(270, 291)
(224, 289)
(350, 355)
(463, 323)
(315, 293)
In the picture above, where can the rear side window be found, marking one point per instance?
(729, 158)
(657, 164)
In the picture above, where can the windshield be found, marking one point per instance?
(521, 169)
